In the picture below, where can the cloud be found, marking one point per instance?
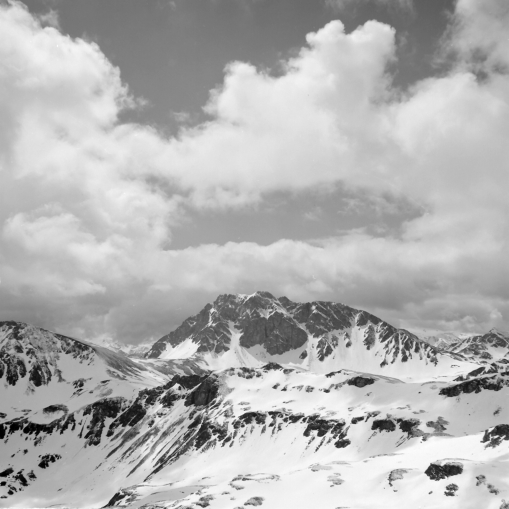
(478, 35)
(79, 215)
(50, 18)
(90, 203)
(340, 5)
(299, 130)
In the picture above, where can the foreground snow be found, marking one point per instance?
(226, 426)
(294, 438)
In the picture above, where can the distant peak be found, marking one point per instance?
(497, 332)
(12, 323)
(263, 294)
(225, 297)
(228, 298)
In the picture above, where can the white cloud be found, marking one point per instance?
(90, 204)
(299, 130)
(50, 18)
(479, 34)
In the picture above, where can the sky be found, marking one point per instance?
(156, 154)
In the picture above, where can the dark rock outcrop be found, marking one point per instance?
(204, 394)
(100, 411)
(410, 426)
(360, 381)
(383, 425)
(277, 334)
(437, 471)
(450, 490)
(493, 437)
(476, 385)
(326, 347)
(323, 426)
(272, 366)
(47, 459)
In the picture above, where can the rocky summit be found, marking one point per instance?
(256, 401)
(251, 330)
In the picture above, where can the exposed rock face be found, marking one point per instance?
(437, 471)
(211, 331)
(124, 495)
(27, 350)
(51, 409)
(383, 425)
(488, 347)
(280, 326)
(326, 346)
(439, 425)
(360, 381)
(410, 426)
(496, 435)
(500, 367)
(255, 501)
(32, 356)
(450, 490)
(277, 333)
(272, 366)
(100, 411)
(476, 385)
(481, 479)
(211, 337)
(369, 336)
(47, 459)
(204, 394)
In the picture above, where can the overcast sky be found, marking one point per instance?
(157, 153)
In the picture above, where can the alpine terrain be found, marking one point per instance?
(256, 401)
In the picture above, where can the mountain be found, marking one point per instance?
(133, 351)
(39, 368)
(485, 348)
(442, 340)
(225, 426)
(251, 330)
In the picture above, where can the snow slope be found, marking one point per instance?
(274, 404)
(251, 330)
(294, 438)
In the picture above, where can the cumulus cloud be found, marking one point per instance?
(478, 34)
(90, 203)
(302, 129)
(78, 214)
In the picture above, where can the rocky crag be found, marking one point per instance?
(272, 403)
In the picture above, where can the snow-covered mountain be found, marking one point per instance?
(133, 351)
(441, 340)
(486, 348)
(251, 330)
(39, 368)
(356, 414)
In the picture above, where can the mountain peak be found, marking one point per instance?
(498, 332)
(251, 330)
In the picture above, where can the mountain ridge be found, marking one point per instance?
(266, 410)
(318, 335)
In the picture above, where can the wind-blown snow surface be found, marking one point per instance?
(257, 433)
